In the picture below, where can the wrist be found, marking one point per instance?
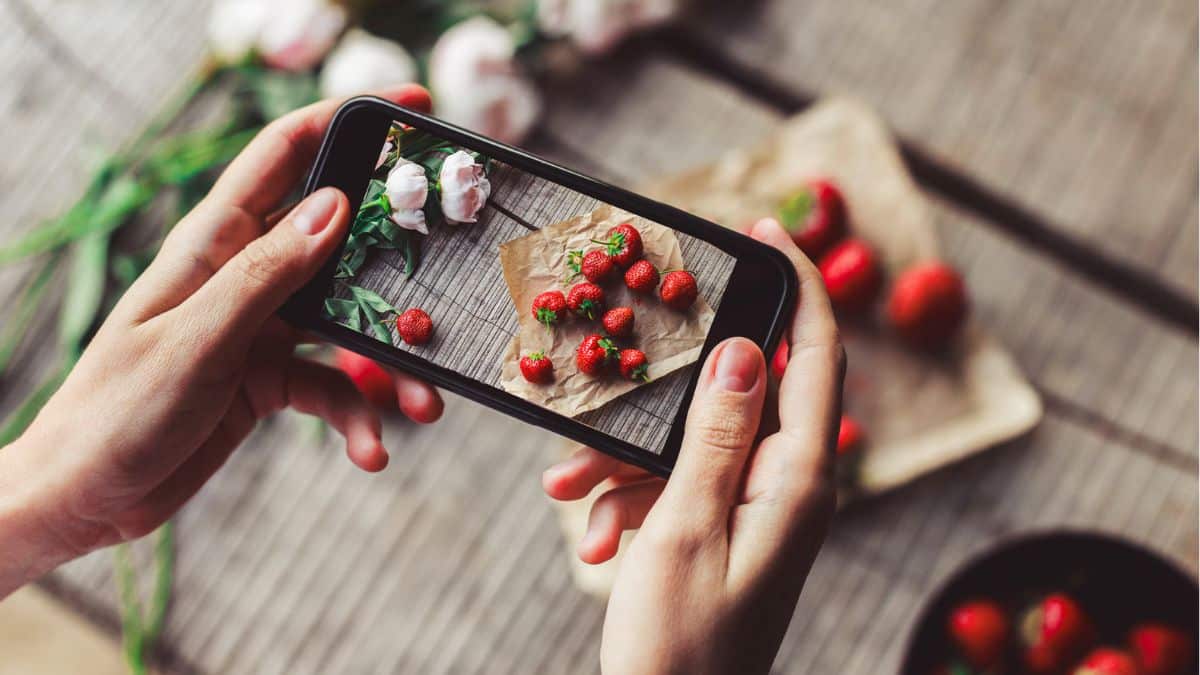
(29, 542)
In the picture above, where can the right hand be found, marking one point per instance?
(710, 582)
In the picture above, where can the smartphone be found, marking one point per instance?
(472, 231)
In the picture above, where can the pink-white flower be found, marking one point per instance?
(406, 189)
(465, 188)
(596, 25)
(362, 62)
(477, 83)
(288, 34)
(234, 27)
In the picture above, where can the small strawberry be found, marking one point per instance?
(550, 307)
(1107, 661)
(678, 290)
(586, 299)
(928, 304)
(979, 628)
(1054, 633)
(618, 322)
(368, 377)
(623, 244)
(1160, 649)
(537, 368)
(852, 274)
(850, 436)
(815, 217)
(594, 353)
(641, 277)
(415, 326)
(633, 365)
(779, 361)
(597, 266)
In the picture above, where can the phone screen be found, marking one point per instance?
(531, 287)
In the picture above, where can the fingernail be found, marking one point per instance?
(738, 366)
(316, 212)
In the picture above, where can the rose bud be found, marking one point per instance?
(362, 62)
(406, 189)
(299, 33)
(465, 188)
(595, 26)
(477, 83)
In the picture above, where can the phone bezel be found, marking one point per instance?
(763, 280)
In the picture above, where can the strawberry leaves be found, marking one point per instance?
(363, 305)
(574, 265)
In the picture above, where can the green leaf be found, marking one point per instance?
(372, 300)
(18, 323)
(276, 93)
(794, 210)
(19, 419)
(85, 293)
(376, 323)
(340, 309)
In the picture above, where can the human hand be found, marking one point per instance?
(189, 360)
(711, 580)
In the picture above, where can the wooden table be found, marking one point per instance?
(1057, 143)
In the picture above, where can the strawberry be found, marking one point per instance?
(415, 326)
(594, 353)
(1160, 649)
(537, 368)
(928, 304)
(852, 275)
(779, 361)
(1054, 633)
(633, 365)
(586, 299)
(597, 266)
(1107, 661)
(678, 290)
(815, 217)
(618, 322)
(978, 628)
(641, 277)
(368, 377)
(850, 436)
(550, 308)
(623, 244)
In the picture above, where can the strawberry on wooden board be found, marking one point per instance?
(1160, 649)
(537, 368)
(779, 360)
(850, 436)
(852, 274)
(678, 290)
(979, 628)
(1107, 661)
(1054, 633)
(550, 308)
(641, 277)
(815, 217)
(597, 266)
(368, 377)
(594, 353)
(586, 299)
(415, 326)
(634, 365)
(618, 322)
(623, 244)
(928, 304)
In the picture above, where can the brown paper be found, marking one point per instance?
(537, 263)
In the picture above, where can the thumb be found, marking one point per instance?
(256, 282)
(721, 427)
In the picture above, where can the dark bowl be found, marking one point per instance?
(1118, 583)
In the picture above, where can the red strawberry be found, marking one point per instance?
(597, 266)
(594, 353)
(979, 629)
(415, 326)
(537, 368)
(928, 304)
(1107, 661)
(623, 244)
(678, 290)
(850, 436)
(1054, 633)
(641, 277)
(1160, 649)
(779, 361)
(852, 275)
(633, 365)
(618, 322)
(368, 377)
(550, 308)
(815, 217)
(586, 299)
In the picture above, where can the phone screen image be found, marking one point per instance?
(500, 260)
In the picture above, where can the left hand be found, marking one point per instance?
(187, 363)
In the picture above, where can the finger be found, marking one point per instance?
(326, 392)
(419, 401)
(718, 434)
(575, 477)
(617, 510)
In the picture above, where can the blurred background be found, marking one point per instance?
(1049, 150)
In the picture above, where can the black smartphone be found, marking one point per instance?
(473, 233)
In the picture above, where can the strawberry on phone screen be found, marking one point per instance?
(623, 244)
(550, 308)
(415, 326)
(678, 290)
(586, 299)
(618, 322)
(641, 277)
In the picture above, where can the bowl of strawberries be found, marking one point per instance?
(1060, 603)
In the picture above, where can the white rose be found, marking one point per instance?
(362, 62)
(477, 83)
(300, 33)
(406, 189)
(234, 27)
(465, 188)
(596, 25)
